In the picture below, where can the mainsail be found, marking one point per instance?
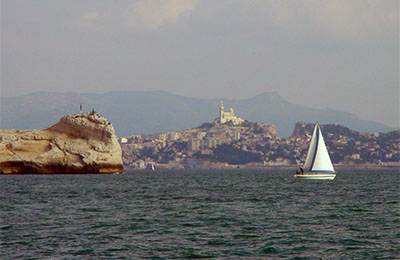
(318, 159)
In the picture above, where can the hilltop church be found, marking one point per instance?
(225, 117)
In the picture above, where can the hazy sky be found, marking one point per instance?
(339, 54)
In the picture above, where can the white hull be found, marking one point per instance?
(319, 176)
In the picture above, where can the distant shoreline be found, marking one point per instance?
(269, 167)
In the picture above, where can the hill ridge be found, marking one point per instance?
(134, 112)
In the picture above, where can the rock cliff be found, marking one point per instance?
(80, 143)
(302, 129)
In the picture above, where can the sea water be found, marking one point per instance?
(243, 214)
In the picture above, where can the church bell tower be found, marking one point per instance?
(221, 113)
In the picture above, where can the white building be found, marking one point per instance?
(225, 117)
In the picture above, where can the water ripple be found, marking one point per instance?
(191, 215)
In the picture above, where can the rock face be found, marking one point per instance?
(302, 129)
(80, 143)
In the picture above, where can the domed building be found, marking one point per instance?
(225, 117)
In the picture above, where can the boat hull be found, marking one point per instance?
(315, 176)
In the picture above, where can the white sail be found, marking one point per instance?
(311, 150)
(318, 159)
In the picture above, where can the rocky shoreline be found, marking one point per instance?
(77, 144)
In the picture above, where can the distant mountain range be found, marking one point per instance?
(140, 112)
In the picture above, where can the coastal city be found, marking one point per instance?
(199, 129)
(233, 142)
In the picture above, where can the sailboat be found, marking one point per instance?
(150, 166)
(318, 165)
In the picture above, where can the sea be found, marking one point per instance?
(197, 214)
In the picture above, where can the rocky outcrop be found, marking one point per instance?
(302, 129)
(80, 143)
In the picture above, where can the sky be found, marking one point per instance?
(337, 54)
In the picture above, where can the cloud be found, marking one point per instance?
(152, 14)
(353, 17)
(89, 19)
(335, 18)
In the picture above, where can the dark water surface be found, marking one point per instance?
(205, 214)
